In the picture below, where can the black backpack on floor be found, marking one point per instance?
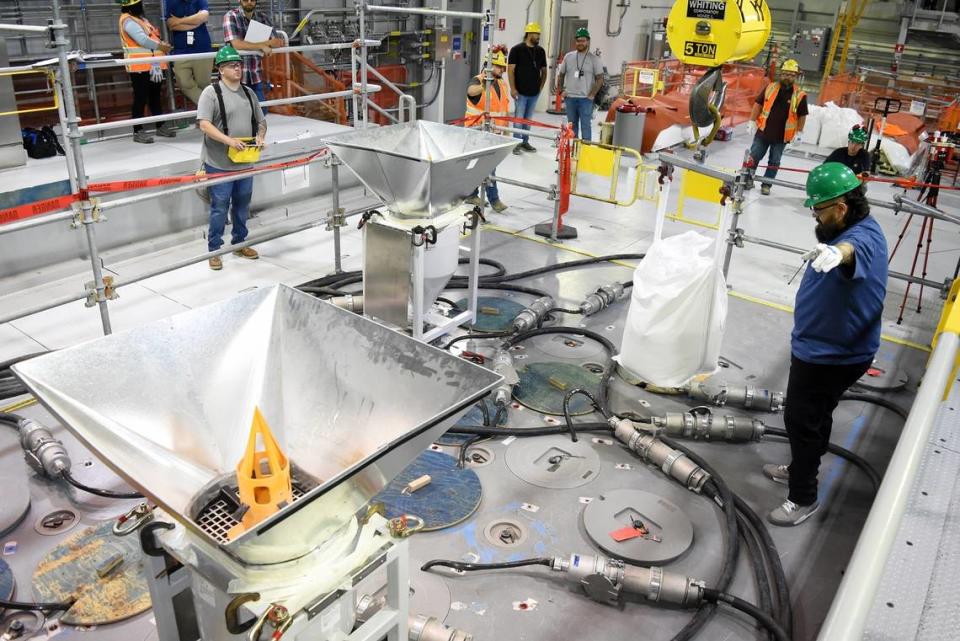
(41, 143)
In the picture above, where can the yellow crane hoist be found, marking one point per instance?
(711, 33)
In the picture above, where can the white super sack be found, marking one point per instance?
(678, 312)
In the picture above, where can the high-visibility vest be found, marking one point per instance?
(497, 104)
(769, 96)
(132, 48)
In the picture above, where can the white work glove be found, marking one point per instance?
(156, 73)
(825, 257)
(751, 127)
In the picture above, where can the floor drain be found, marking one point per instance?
(478, 456)
(593, 368)
(56, 522)
(505, 533)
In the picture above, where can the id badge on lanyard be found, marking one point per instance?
(189, 38)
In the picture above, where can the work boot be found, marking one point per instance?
(498, 206)
(472, 200)
(166, 130)
(790, 514)
(526, 146)
(748, 183)
(777, 473)
(247, 252)
(518, 150)
(142, 137)
(215, 263)
(765, 189)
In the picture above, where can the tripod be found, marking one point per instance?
(928, 194)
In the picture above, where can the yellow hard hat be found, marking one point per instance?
(532, 27)
(790, 65)
(499, 59)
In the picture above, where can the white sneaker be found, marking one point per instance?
(790, 514)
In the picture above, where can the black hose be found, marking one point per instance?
(856, 459)
(109, 494)
(566, 409)
(876, 400)
(561, 310)
(462, 458)
(528, 431)
(573, 264)
(453, 306)
(454, 341)
(499, 414)
(507, 287)
(758, 561)
(472, 567)
(716, 596)
(484, 412)
(34, 607)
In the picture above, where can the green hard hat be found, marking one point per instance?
(828, 181)
(582, 33)
(226, 53)
(858, 135)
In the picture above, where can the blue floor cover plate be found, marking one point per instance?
(494, 314)
(542, 387)
(6, 581)
(452, 495)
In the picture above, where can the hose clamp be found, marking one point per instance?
(670, 460)
(731, 427)
(748, 395)
(656, 583)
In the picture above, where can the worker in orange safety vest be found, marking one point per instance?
(776, 120)
(141, 39)
(495, 101)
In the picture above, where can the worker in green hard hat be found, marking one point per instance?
(836, 330)
(579, 78)
(853, 155)
(230, 117)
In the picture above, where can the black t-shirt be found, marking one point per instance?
(859, 163)
(777, 120)
(529, 61)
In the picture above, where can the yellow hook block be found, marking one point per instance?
(263, 477)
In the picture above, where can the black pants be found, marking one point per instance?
(813, 392)
(145, 92)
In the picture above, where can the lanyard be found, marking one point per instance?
(580, 64)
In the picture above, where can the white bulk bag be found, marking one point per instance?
(678, 310)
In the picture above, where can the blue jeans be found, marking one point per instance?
(523, 108)
(258, 90)
(759, 148)
(493, 195)
(579, 112)
(238, 194)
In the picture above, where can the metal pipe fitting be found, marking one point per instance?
(605, 580)
(531, 316)
(503, 365)
(44, 453)
(745, 396)
(673, 463)
(703, 425)
(350, 302)
(423, 628)
(599, 300)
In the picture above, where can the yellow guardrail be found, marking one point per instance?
(604, 161)
(50, 83)
(950, 322)
(697, 186)
(645, 79)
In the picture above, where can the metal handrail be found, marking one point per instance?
(374, 8)
(847, 617)
(123, 62)
(180, 115)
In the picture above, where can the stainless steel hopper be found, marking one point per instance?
(169, 406)
(421, 169)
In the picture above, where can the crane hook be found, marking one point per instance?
(705, 102)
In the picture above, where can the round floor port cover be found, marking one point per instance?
(55, 522)
(553, 462)
(452, 495)
(494, 314)
(73, 570)
(542, 387)
(570, 347)
(618, 509)
(880, 378)
(7, 582)
(13, 479)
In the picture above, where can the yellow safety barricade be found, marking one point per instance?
(950, 322)
(50, 80)
(604, 161)
(697, 186)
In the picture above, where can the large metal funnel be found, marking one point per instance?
(421, 169)
(169, 406)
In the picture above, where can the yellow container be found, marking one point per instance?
(714, 32)
(250, 154)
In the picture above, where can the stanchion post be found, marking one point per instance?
(335, 221)
(73, 136)
(733, 235)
